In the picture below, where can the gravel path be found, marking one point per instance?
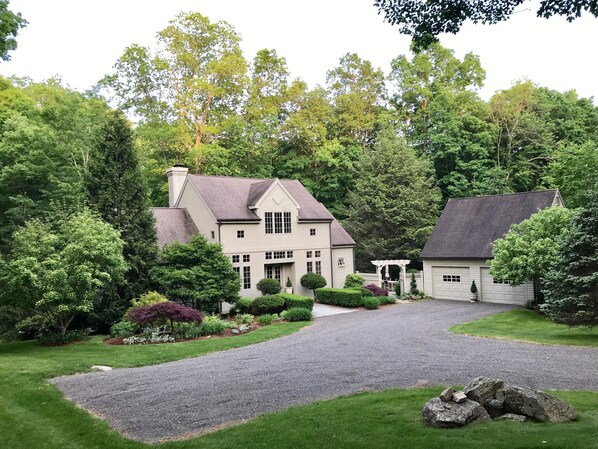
(397, 346)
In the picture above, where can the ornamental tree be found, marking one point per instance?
(196, 274)
(164, 313)
(53, 275)
(571, 283)
(529, 248)
(313, 281)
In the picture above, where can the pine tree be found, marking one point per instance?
(394, 205)
(571, 292)
(116, 189)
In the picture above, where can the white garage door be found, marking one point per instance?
(497, 291)
(451, 283)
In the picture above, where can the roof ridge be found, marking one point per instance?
(503, 194)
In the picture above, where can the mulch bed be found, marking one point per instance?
(226, 333)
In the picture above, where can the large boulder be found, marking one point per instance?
(437, 413)
(537, 404)
(481, 389)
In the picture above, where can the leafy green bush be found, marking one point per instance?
(123, 328)
(340, 297)
(245, 318)
(187, 331)
(298, 314)
(243, 305)
(267, 304)
(148, 299)
(386, 299)
(212, 325)
(291, 300)
(398, 288)
(268, 286)
(371, 302)
(265, 320)
(354, 280)
(313, 281)
(58, 338)
(364, 291)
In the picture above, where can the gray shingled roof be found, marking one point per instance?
(468, 226)
(338, 235)
(228, 198)
(173, 225)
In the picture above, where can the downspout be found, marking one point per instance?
(331, 263)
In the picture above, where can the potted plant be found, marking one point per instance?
(289, 286)
(473, 296)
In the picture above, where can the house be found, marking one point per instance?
(268, 227)
(459, 248)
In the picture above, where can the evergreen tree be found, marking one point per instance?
(117, 191)
(394, 205)
(571, 292)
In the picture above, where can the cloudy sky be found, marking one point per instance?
(81, 40)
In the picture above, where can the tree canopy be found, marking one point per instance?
(10, 23)
(424, 20)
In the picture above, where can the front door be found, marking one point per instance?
(274, 272)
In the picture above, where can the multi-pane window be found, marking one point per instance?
(308, 254)
(277, 222)
(287, 222)
(312, 231)
(318, 253)
(280, 254)
(341, 261)
(236, 259)
(451, 278)
(289, 254)
(274, 272)
(240, 234)
(237, 270)
(269, 255)
(246, 278)
(268, 221)
(310, 266)
(246, 257)
(319, 267)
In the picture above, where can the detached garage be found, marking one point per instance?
(459, 248)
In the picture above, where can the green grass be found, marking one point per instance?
(33, 413)
(528, 326)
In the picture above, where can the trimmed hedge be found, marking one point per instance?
(339, 297)
(386, 299)
(364, 291)
(267, 304)
(291, 301)
(354, 280)
(298, 314)
(268, 286)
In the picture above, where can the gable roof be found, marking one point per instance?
(229, 198)
(468, 226)
(173, 225)
(338, 235)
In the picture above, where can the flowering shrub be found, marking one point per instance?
(377, 291)
(164, 313)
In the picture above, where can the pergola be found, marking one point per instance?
(384, 264)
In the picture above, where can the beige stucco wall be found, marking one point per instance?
(199, 212)
(475, 272)
(340, 273)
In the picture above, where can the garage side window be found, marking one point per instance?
(451, 278)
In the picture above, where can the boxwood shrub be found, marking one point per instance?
(298, 314)
(291, 301)
(364, 291)
(243, 305)
(267, 304)
(268, 286)
(339, 297)
(386, 299)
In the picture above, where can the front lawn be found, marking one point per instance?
(528, 326)
(33, 413)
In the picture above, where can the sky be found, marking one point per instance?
(81, 40)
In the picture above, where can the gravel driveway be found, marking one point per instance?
(397, 346)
